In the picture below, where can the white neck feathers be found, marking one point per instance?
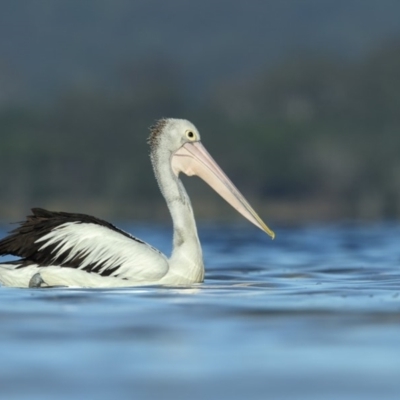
(186, 261)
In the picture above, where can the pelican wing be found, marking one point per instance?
(83, 242)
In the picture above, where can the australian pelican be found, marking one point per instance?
(77, 250)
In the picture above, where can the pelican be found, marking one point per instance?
(78, 250)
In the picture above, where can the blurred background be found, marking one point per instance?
(298, 101)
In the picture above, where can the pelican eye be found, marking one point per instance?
(190, 135)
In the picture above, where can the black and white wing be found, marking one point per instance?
(85, 243)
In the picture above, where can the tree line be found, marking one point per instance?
(314, 137)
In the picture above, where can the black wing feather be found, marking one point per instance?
(22, 241)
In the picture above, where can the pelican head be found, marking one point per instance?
(179, 140)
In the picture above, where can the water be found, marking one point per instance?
(314, 314)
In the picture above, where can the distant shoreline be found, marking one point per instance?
(283, 212)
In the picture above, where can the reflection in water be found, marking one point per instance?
(314, 314)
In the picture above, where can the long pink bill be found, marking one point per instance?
(194, 159)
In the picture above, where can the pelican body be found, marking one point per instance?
(77, 250)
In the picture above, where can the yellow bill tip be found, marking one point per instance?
(268, 231)
(271, 233)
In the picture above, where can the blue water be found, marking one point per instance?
(314, 314)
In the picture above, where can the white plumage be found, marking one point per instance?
(99, 246)
(76, 250)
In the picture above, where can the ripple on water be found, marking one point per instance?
(313, 314)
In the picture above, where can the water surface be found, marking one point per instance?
(314, 314)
